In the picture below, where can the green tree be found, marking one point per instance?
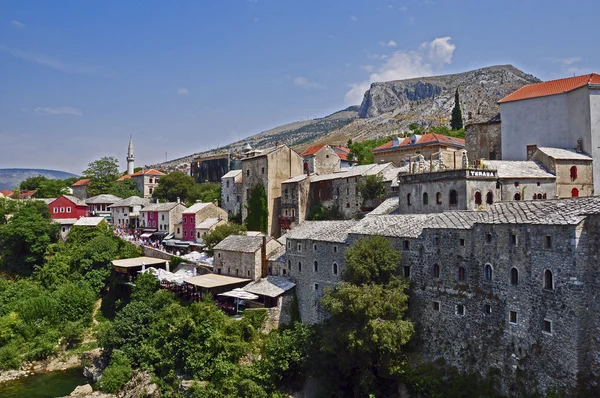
(103, 172)
(175, 185)
(362, 151)
(258, 210)
(46, 187)
(221, 232)
(371, 187)
(367, 330)
(125, 189)
(456, 123)
(7, 207)
(206, 192)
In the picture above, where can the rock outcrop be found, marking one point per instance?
(94, 362)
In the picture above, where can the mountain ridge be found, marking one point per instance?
(10, 178)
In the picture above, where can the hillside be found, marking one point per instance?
(10, 178)
(388, 107)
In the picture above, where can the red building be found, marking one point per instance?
(67, 207)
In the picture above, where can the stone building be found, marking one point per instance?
(80, 188)
(200, 218)
(161, 217)
(325, 159)
(294, 201)
(146, 181)
(483, 139)
(573, 171)
(231, 192)
(511, 289)
(562, 113)
(523, 180)
(210, 168)
(244, 256)
(431, 146)
(126, 212)
(269, 168)
(99, 205)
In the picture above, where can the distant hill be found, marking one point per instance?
(10, 178)
(389, 107)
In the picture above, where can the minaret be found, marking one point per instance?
(130, 157)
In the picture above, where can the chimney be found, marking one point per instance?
(178, 200)
(263, 257)
(579, 146)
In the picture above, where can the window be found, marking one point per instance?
(64, 229)
(478, 199)
(547, 326)
(335, 269)
(436, 270)
(408, 200)
(62, 209)
(198, 235)
(538, 183)
(436, 240)
(289, 244)
(461, 274)
(262, 170)
(299, 267)
(347, 191)
(184, 232)
(289, 264)
(517, 196)
(405, 245)
(487, 309)
(227, 198)
(150, 180)
(185, 220)
(453, 198)
(316, 287)
(283, 271)
(299, 247)
(219, 255)
(55, 210)
(248, 173)
(335, 249)
(574, 193)
(461, 242)
(150, 190)
(488, 238)
(227, 183)
(314, 247)
(548, 280)
(514, 240)
(514, 276)
(237, 198)
(425, 198)
(573, 173)
(178, 230)
(347, 204)
(436, 305)
(407, 271)
(548, 242)
(316, 266)
(488, 272)
(531, 150)
(68, 209)
(512, 317)
(460, 309)
(489, 198)
(163, 217)
(438, 198)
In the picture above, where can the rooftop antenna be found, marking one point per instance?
(165, 156)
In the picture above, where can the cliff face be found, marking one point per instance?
(433, 96)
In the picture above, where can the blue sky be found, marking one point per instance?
(78, 77)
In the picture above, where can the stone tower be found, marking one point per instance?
(130, 157)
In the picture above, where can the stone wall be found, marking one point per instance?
(231, 196)
(484, 140)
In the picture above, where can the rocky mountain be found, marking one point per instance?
(10, 178)
(390, 107)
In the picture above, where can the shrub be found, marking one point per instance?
(117, 374)
(9, 357)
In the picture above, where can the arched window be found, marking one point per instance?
(335, 269)
(543, 196)
(453, 198)
(290, 264)
(574, 193)
(488, 272)
(514, 276)
(316, 266)
(299, 266)
(489, 198)
(438, 198)
(573, 173)
(478, 199)
(517, 196)
(436, 270)
(548, 280)
(408, 199)
(539, 196)
(461, 274)
(425, 198)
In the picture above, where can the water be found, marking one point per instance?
(44, 385)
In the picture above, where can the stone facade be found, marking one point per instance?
(400, 150)
(321, 159)
(241, 256)
(483, 140)
(294, 201)
(573, 171)
(210, 168)
(146, 181)
(511, 288)
(269, 168)
(231, 192)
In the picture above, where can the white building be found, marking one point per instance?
(562, 113)
(126, 212)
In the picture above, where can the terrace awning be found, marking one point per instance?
(210, 281)
(146, 234)
(239, 294)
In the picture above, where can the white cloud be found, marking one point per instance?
(354, 18)
(391, 43)
(402, 64)
(51, 62)
(18, 24)
(183, 91)
(303, 82)
(64, 110)
(403, 8)
(569, 65)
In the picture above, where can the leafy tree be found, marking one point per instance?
(7, 207)
(24, 239)
(258, 210)
(362, 151)
(125, 189)
(456, 122)
(371, 187)
(175, 185)
(206, 192)
(221, 232)
(46, 187)
(365, 335)
(321, 212)
(103, 172)
(117, 374)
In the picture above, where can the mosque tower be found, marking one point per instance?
(130, 157)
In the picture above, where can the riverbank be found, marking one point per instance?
(58, 363)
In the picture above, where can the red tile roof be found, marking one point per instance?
(342, 152)
(7, 192)
(151, 172)
(123, 178)
(81, 182)
(552, 87)
(312, 150)
(429, 138)
(27, 194)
